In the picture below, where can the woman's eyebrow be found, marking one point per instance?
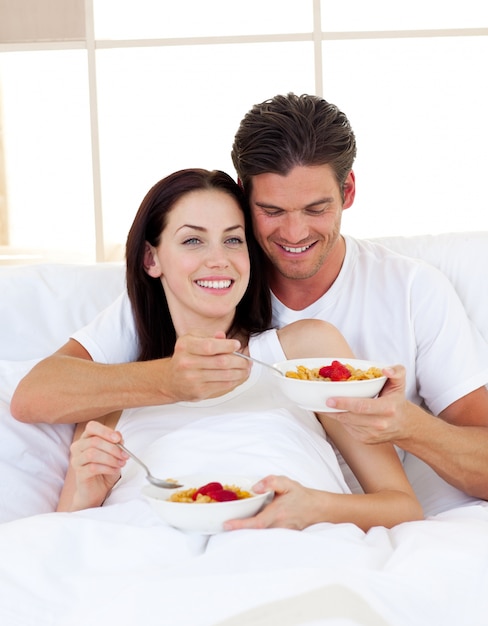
(203, 229)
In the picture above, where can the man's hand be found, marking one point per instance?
(204, 367)
(376, 420)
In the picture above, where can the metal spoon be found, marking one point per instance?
(251, 358)
(158, 482)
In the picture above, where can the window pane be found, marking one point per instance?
(352, 15)
(163, 109)
(136, 19)
(418, 108)
(47, 151)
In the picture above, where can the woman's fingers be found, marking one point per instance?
(97, 449)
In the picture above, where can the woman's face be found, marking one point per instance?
(202, 260)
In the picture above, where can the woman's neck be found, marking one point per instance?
(211, 329)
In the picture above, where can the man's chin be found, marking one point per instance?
(296, 273)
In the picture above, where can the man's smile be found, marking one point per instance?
(296, 250)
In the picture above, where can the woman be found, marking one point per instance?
(193, 269)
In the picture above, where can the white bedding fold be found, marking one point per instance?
(121, 565)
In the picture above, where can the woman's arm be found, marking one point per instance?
(388, 499)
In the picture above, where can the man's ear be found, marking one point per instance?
(151, 261)
(349, 190)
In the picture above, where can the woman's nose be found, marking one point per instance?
(217, 257)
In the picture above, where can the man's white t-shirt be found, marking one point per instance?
(397, 310)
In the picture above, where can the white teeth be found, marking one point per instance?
(214, 284)
(296, 250)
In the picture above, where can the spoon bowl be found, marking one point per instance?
(157, 482)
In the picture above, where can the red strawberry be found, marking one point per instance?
(205, 489)
(335, 371)
(222, 495)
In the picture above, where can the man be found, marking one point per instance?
(294, 157)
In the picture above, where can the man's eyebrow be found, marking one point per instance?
(265, 205)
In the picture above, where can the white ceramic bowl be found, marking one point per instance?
(312, 394)
(206, 518)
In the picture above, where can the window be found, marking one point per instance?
(94, 110)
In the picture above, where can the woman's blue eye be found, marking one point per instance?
(231, 241)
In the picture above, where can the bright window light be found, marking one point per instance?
(88, 127)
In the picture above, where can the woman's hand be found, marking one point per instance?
(294, 506)
(297, 507)
(96, 461)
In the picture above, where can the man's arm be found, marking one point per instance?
(69, 387)
(455, 444)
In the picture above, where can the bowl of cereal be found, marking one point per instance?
(205, 502)
(310, 382)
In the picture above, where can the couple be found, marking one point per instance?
(297, 181)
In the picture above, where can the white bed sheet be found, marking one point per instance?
(121, 565)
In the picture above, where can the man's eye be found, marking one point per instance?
(272, 212)
(315, 211)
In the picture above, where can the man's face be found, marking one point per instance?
(297, 217)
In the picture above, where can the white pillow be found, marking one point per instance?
(33, 457)
(41, 305)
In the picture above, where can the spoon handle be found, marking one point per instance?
(252, 359)
(135, 458)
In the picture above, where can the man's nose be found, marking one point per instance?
(294, 228)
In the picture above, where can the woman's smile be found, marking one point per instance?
(219, 284)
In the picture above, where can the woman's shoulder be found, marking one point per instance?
(312, 337)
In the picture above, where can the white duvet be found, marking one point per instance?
(122, 565)
(92, 569)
